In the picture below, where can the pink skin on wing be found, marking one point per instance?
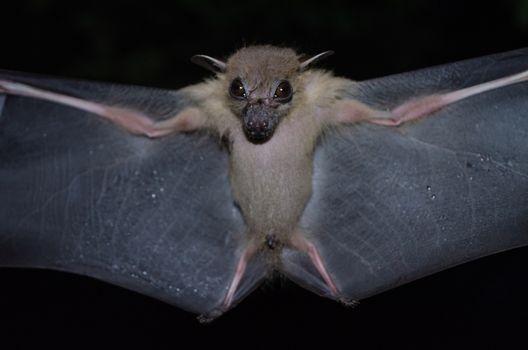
(424, 106)
(132, 121)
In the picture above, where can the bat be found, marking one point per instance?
(195, 196)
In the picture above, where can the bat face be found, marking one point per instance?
(260, 84)
(260, 108)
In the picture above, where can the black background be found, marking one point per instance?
(482, 303)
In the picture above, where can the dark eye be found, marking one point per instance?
(284, 91)
(237, 89)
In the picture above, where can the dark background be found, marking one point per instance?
(482, 303)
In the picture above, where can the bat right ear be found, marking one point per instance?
(312, 60)
(209, 63)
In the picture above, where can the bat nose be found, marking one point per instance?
(258, 130)
(258, 125)
(259, 122)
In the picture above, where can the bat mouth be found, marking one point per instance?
(259, 123)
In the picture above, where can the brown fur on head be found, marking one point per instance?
(260, 84)
(260, 73)
(262, 65)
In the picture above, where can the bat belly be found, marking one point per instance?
(271, 188)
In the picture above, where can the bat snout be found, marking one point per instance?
(259, 124)
(258, 131)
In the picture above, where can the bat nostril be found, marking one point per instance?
(258, 125)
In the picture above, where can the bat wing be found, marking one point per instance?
(81, 195)
(391, 205)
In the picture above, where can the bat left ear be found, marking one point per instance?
(314, 59)
(209, 63)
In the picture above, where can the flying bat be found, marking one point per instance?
(197, 195)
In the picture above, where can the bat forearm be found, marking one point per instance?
(189, 119)
(14, 88)
(351, 111)
(135, 122)
(138, 123)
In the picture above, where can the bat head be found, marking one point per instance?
(261, 85)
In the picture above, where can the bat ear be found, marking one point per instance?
(209, 63)
(314, 59)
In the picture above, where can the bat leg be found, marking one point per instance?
(304, 245)
(424, 106)
(134, 122)
(227, 302)
(239, 273)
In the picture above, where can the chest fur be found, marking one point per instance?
(271, 182)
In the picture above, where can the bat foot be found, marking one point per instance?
(348, 303)
(211, 315)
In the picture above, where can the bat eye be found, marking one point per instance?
(237, 89)
(283, 91)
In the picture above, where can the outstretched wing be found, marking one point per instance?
(391, 205)
(78, 194)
